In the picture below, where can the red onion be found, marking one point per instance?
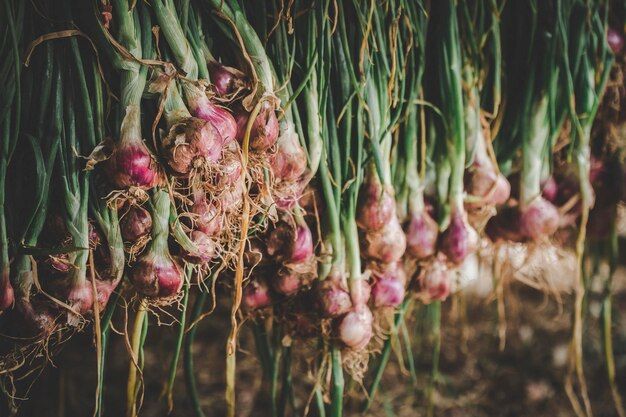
(333, 298)
(355, 329)
(256, 295)
(265, 128)
(7, 295)
(488, 185)
(539, 219)
(289, 161)
(287, 282)
(388, 244)
(203, 108)
(208, 218)
(436, 283)
(191, 144)
(230, 170)
(389, 287)
(615, 39)
(135, 224)
(156, 275)
(293, 245)
(459, 239)
(550, 189)
(226, 80)
(206, 248)
(421, 235)
(132, 164)
(377, 207)
(80, 298)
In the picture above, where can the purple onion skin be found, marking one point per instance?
(256, 295)
(459, 240)
(302, 249)
(135, 224)
(388, 292)
(81, 298)
(206, 248)
(287, 283)
(550, 189)
(332, 300)
(388, 244)
(355, 328)
(219, 117)
(265, 128)
(615, 39)
(539, 219)
(436, 282)
(225, 80)
(133, 166)
(7, 295)
(156, 276)
(421, 235)
(376, 209)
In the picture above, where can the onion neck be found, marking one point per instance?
(532, 153)
(353, 256)
(174, 108)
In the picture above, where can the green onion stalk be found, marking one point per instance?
(44, 149)
(587, 68)
(132, 166)
(10, 103)
(486, 186)
(459, 239)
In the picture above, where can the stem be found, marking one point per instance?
(132, 384)
(336, 406)
(177, 348)
(190, 378)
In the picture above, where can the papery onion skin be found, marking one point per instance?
(287, 282)
(205, 248)
(376, 208)
(386, 245)
(135, 224)
(191, 144)
(225, 80)
(264, 131)
(436, 283)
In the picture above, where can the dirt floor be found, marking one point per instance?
(476, 377)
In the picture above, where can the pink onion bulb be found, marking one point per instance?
(386, 245)
(287, 282)
(205, 248)
(539, 219)
(355, 328)
(156, 275)
(292, 245)
(132, 164)
(490, 186)
(135, 224)
(202, 107)
(226, 80)
(333, 298)
(615, 40)
(389, 287)
(7, 295)
(289, 161)
(377, 207)
(436, 283)
(421, 235)
(264, 131)
(460, 239)
(256, 295)
(193, 143)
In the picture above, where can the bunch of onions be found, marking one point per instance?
(156, 274)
